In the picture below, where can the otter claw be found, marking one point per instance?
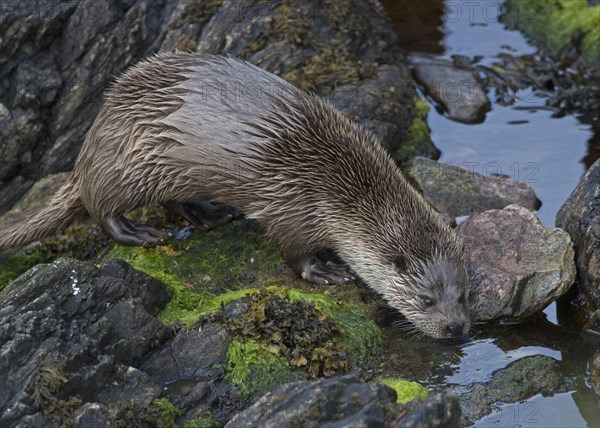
(324, 273)
(125, 232)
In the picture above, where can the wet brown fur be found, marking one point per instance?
(290, 160)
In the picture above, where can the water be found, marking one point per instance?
(558, 411)
(473, 28)
(438, 365)
(543, 152)
(527, 142)
(523, 141)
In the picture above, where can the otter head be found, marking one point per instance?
(432, 294)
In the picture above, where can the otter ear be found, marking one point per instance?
(400, 263)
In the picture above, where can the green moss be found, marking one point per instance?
(559, 23)
(186, 303)
(187, 44)
(166, 411)
(406, 390)
(363, 338)
(422, 109)
(419, 131)
(216, 302)
(207, 420)
(79, 241)
(17, 265)
(420, 135)
(289, 334)
(207, 269)
(231, 257)
(328, 69)
(239, 256)
(254, 369)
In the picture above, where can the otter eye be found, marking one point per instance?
(400, 263)
(427, 302)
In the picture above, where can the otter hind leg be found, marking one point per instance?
(320, 269)
(125, 232)
(203, 215)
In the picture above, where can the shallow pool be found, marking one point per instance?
(528, 142)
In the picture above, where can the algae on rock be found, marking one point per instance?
(285, 333)
(405, 390)
(558, 24)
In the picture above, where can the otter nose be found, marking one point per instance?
(454, 329)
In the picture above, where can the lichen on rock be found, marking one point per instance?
(405, 390)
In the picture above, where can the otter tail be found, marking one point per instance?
(62, 210)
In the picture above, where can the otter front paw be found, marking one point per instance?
(125, 232)
(317, 271)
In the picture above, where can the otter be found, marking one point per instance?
(181, 128)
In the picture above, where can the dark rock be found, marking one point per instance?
(235, 309)
(80, 348)
(372, 103)
(92, 415)
(345, 402)
(130, 386)
(516, 266)
(34, 200)
(190, 355)
(153, 293)
(458, 192)
(518, 381)
(218, 398)
(185, 25)
(595, 372)
(56, 60)
(69, 330)
(456, 88)
(592, 323)
(196, 395)
(439, 410)
(192, 368)
(580, 216)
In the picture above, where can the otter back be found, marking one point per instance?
(183, 128)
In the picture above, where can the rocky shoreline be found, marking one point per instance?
(212, 329)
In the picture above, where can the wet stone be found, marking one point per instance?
(458, 192)
(81, 347)
(191, 354)
(580, 217)
(595, 372)
(518, 381)
(344, 402)
(454, 86)
(236, 309)
(56, 60)
(516, 265)
(67, 330)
